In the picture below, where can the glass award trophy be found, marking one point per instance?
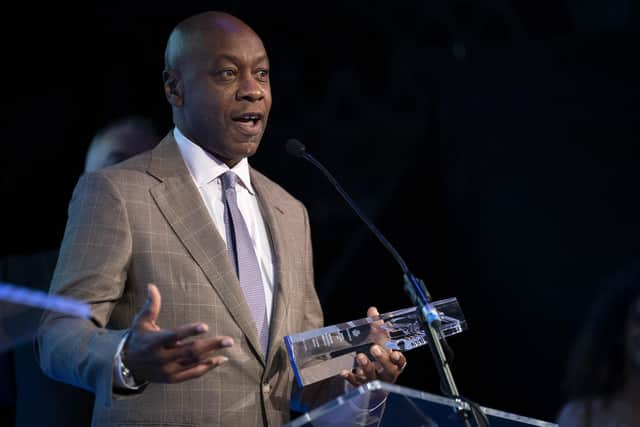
(322, 353)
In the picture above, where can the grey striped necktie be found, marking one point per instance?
(244, 258)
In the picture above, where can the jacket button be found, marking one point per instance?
(266, 388)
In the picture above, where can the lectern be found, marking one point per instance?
(403, 407)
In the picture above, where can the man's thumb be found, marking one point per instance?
(149, 312)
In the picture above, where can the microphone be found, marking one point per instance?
(296, 148)
(414, 286)
(417, 292)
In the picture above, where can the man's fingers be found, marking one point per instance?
(391, 362)
(185, 331)
(366, 368)
(365, 372)
(354, 379)
(197, 370)
(199, 349)
(378, 334)
(173, 338)
(399, 360)
(148, 315)
(372, 312)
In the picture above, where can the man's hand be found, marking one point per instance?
(387, 366)
(159, 355)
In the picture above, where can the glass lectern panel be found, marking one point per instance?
(403, 407)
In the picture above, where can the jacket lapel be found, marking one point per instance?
(180, 202)
(274, 216)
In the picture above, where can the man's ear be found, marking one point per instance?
(173, 87)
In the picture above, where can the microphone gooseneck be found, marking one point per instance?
(413, 286)
(297, 149)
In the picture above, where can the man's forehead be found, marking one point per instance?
(239, 36)
(231, 56)
(226, 25)
(214, 38)
(234, 47)
(218, 28)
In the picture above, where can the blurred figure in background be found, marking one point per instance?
(120, 140)
(603, 374)
(39, 400)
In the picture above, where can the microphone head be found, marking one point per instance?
(295, 147)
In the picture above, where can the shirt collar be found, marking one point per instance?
(205, 167)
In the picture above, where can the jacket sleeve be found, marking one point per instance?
(91, 267)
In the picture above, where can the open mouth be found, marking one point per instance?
(249, 124)
(248, 118)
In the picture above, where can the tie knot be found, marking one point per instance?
(229, 180)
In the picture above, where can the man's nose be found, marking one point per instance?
(250, 89)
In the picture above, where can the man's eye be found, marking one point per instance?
(263, 74)
(227, 73)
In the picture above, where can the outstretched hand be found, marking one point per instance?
(387, 367)
(162, 355)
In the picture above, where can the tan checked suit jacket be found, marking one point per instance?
(143, 221)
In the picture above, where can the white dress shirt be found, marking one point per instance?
(206, 171)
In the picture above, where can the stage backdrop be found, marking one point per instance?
(494, 144)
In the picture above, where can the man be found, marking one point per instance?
(60, 404)
(211, 352)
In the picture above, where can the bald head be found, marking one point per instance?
(189, 35)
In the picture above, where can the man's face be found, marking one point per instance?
(226, 94)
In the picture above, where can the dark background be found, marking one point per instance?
(493, 142)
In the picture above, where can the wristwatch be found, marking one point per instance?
(127, 376)
(124, 376)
